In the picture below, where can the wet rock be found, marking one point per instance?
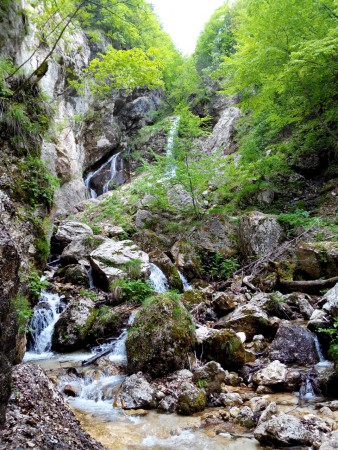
(168, 404)
(327, 380)
(246, 417)
(249, 319)
(136, 393)
(210, 377)
(316, 260)
(71, 390)
(74, 274)
(272, 304)
(71, 330)
(68, 231)
(282, 429)
(259, 234)
(272, 375)
(224, 347)
(38, 416)
(113, 260)
(268, 413)
(190, 399)
(318, 319)
(293, 345)
(161, 337)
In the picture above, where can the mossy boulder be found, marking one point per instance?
(191, 399)
(161, 337)
(187, 258)
(192, 298)
(109, 321)
(168, 268)
(74, 274)
(224, 347)
(71, 330)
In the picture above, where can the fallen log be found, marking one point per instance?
(309, 287)
(94, 358)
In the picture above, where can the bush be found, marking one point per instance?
(23, 311)
(218, 267)
(133, 291)
(333, 334)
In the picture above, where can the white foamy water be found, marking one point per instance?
(111, 162)
(157, 279)
(45, 315)
(185, 282)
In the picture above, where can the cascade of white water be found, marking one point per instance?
(110, 162)
(323, 362)
(157, 279)
(113, 172)
(46, 314)
(185, 282)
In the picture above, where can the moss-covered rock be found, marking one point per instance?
(224, 347)
(109, 321)
(168, 268)
(192, 298)
(161, 337)
(191, 399)
(74, 274)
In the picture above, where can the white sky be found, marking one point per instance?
(185, 19)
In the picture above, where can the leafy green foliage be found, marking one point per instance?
(217, 267)
(132, 291)
(34, 283)
(333, 334)
(23, 312)
(35, 185)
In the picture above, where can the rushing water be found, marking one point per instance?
(323, 362)
(46, 314)
(185, 282)
(157, 279)
(112, 164)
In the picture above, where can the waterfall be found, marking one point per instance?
(157, 279)
(111, 162)
(322, 361)
(171, 171)
(90, 276)
(185, 282)
(45, 315)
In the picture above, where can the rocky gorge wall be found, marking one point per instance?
(82, 131)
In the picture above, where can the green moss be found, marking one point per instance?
(190, 404)
(23, 312)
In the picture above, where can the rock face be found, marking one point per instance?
(38, 416)
(316, 260)
(293, 345)
(69, 231)
(71, 329)
(221, 136)
(113, 260)
(210, 377)
(74, 274)
(136, 393)
(331, 304)
(161, 337)
(9, 266)
(224, 347)
(259, 234)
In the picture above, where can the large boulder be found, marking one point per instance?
(249, 319)
(68, 231)
(293, 344)
(224, 347)
(168, 268)
(114, 260)
(161, 337)
(136, 393)
(317, 259)
(282, 430)
(79, 249)
(74, 274)
(259, 234)
(71, 330)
